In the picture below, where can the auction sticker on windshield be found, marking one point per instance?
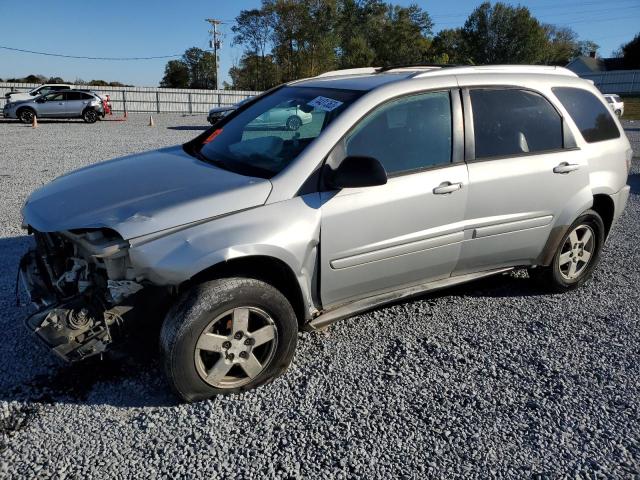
(324, 103)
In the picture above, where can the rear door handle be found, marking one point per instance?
(565, 167)
(447, 187)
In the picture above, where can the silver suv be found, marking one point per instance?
(404, 181)
(65, 104)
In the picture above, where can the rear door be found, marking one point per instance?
(525, 173)
(76, 102)
(409, 231)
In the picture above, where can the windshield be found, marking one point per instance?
(271, 133)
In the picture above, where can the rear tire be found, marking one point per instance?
(577, 255)
(90, 116)
(26, 115)
(226, 336)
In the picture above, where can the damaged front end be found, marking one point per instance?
(83, 286)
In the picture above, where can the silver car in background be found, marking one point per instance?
(401, 181)
(64, 104)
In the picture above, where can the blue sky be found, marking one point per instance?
(133, 28)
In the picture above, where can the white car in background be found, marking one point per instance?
(35, 92)
(291, 117)
(615, 103)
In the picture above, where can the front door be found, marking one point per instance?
(54, 106)
(409, 231)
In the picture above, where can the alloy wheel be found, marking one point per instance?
(235, 347)
(576, 253)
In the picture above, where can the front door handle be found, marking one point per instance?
(447, 187)
(565, 167)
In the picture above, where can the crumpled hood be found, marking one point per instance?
(141, 194)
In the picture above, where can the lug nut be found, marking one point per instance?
(244, 355)
(230, 356)
(226, 345)
(249, 341)
(238, 335)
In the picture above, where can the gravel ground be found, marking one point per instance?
(494, 378)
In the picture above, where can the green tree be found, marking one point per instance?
(252, 30)
(631, 53)
(250, 66)
(176, 75)
(201, 67)
(55, 80)
(504, 34)
(561, 45)
(448, 46)
(586, 47)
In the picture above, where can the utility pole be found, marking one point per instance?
(215, 44)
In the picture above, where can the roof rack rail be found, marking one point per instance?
(348, 71)
(525, 69)
(421, 65)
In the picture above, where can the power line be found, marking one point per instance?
(115, 59)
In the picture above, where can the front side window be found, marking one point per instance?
(411, 133)
(592, 118)
(266, 137)
(509, 122)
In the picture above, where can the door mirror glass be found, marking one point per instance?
(355, 172)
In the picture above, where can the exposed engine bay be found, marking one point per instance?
(83, 286)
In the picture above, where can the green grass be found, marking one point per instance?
(631, 108)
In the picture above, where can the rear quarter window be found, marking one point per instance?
(591, 116)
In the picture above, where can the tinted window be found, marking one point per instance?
(592, 118)
(86, 96)
(514, 122)
(407, 134)
(74, 96)
(58, 87)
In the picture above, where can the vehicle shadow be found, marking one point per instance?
(130, 376)
(189, 127)
(42, 121)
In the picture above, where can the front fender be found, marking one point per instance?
(288, 231)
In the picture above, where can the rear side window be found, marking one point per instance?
(509, 122)
(411, 133)
(592, 118)
(86, 96)
(74, 96)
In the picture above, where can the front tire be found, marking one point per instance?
(577, 255)
(26, 115)
(227, 336)
(90, 116)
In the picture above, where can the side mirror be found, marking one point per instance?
(41, 100)
(354, 172)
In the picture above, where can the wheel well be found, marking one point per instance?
(603, 204)
(267, 269)
(22, 109)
